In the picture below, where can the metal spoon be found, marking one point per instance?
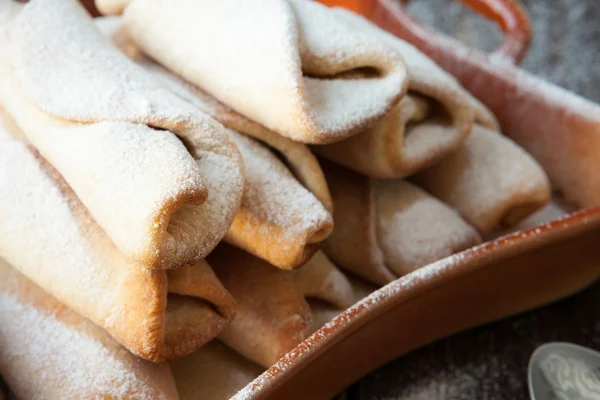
(564, 371)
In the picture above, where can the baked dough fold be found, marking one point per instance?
(141, 159)
(306, 73)
(428, 124)
(386, 229)
(286, 207)
(490, 180)
(50, 237)
(51, 352)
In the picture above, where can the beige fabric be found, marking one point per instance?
(424, 127)
(385, 229)
(306, 73)
(50, 352)
(110, 130)
(48, 235)
(272, 316)
(490, 180)
(213, 372)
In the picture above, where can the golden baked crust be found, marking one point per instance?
(115, 134)
(272, 316)
(51, 352)
(48, 235)
(299, 86)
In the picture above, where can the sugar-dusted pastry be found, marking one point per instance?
(429, 123)
(159, 176)
(50, 352)
(385, 229)
(213, 372)
(320, 279)
(272, 316)
(414, 228)
(286, 208)
(559, 128)
(270, 308)
(490, 180)
(50, 237)
(279, 220)
(294, 66)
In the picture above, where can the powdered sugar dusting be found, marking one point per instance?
(58, 356)
(288, 215)
(90, 112)
(39, 233)
(384, 298)
(292, 358)
(274, 196)
(491, 179)
(293, 87)
(414, 228)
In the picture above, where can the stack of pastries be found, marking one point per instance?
(189, 189)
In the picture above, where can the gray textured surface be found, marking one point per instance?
(566, 38)
(491, 362)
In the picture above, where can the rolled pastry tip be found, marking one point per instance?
(218, 372)
(142, 160)
(320, 279)
(286, 208)
(272, 316)
(318, 79)
(50, 237)
(50, 352)
(213, 372)
(279, 220)
(551, 212)
(428, 124)
(386, 229)
(490, 180)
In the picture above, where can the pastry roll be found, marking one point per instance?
(320, 279)
(279, 220)
(50, 352)
(50, 237)
(160, 177)
(213, 372)
(490, 180)
(306, 73)
(428, 124)
(286, 208)
(385, 229)
(272, 316)
(267, 315)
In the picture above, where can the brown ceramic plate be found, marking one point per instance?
(499, 278)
